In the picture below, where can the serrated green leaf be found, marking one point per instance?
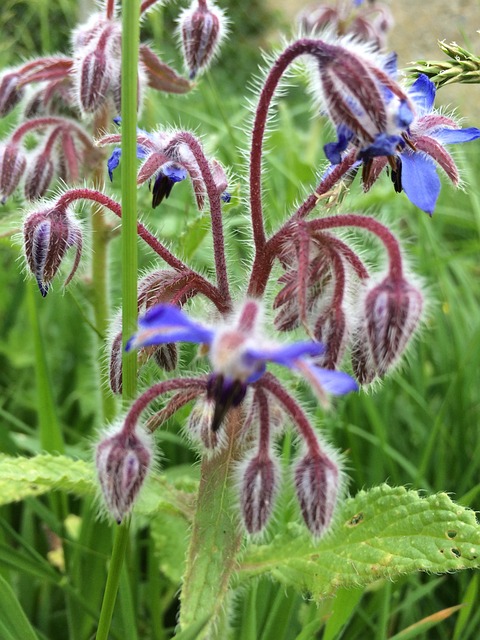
(25, 477)
(381, 533)
(14, 624)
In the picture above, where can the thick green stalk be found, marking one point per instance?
(130, 45)
(215, 543)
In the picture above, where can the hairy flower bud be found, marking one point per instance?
(47, 236)
(259, 486)
(10, 93)
(98, 68)
(12, 167)
(166, 356)
(331, 330)
(39, 176)
(317, 485)
(392, 311)
(202, 27)
(123, 461)
(115, 364)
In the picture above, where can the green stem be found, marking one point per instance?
(130, 46)
(113, 579)
(215, 542)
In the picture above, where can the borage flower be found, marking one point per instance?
(414, 170)
(166, 161)
(238, 354)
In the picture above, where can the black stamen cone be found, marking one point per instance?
(226, 393)
(162, 188)
(397, 176)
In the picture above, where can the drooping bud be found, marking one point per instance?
(115, 364)
(367, 105)
(123, 461)
(39, 176)
(392, 312)
(202, 26)
(331, 330)
(166, 356)
(317, 485)
(10, 93)
(12, 168)
(98, 68)
(47, 236)
(259, 487)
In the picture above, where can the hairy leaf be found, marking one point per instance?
(381, 533)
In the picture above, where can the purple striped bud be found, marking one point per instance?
(317, 485)
(12, 167)
(123, 461)
(331, 330)
(392, 312)
(98, 69)
(202, 26)
(166, 356)
(10, 93)
(115, 364)
(39, 176)
(47, 236)
(259, 487)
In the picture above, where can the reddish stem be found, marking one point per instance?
(153, 392)
(215, 209)
(205, 287)
(49, 121)
(110, 9)
(270, 383)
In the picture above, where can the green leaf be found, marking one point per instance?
(14, 624)
(24, 477)
(381, 533)
(170, 550)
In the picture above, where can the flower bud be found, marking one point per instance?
(317, 484)
(12, 167)
(259, 487)
(331, 330)
(166, 356)
(98, 69)
(10, 94)
(115, 364)
(392, 311)
(202, 27)
(39, 176)
(123, 461)
(47, 235)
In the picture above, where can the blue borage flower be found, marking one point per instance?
(165, 164)
(236, 357)
(413, 156)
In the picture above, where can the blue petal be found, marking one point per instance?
(113, 162)
(335, 382)
(420, 180)
(447, 135)
(404, 115)
(285, 355)
(383, 145)
(165, 323)
(226, 197)
(173, 171)
(423, 93)
(333, 150)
